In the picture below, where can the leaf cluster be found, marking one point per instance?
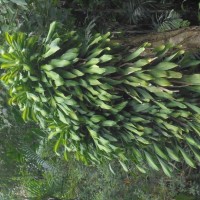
(169, 20)
(101, 102)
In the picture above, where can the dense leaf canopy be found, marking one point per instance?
(100, 101)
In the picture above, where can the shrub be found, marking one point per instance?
(99, 101)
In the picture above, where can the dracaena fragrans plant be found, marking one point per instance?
(100, 101)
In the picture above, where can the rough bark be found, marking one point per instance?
(188, 37)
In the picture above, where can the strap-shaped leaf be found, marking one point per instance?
(51, 31)
(165, 66)
(160, 152)
(173, 154)
(123, 166)
(135, 54)
(187, 158)
(150, 161)
(166, 169)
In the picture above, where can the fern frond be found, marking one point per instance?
(169, 20)
(137, 10)
(30, 155)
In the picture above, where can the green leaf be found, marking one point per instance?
(144, 76)
(158, 73)
(187, 159)
(111, 169)
(66, 155)
(130, 70)
(135, 54)
(52, 48)
(69, 56)
(92, 61)
(188, 62)
(141, 169)
(73, 115)
(56, 77)
(94, 53)
(47, 67)
(109, 70)
(74, 136)
(175, 55)
(161, 105)
(165, 168)
(7, 65)
(51, 31)
(9, 38)
(142, 107)
(173, 154)
(176, 104)
(195, 128)
(33, 78)
(57, 145)
(33, 97)
(136, 66)
(193, 142)
(19, 2)
(97, 118)
(97, 38)
(159, 92)
(192, 79)
(193, 107)
(92, 133)
(68, 75)
(171, 127)
(62, 117)
(51, 51)
(172, 74)
(52, 134)
(123, 166)
(25, 113)
(59, 99)
(64, 108)
(131, 128)
(60, 63)
(103, 105)
(105, 58)
(159, 48)
(103, 148)
(162, 82)
(110, 137)
(52, 102)
(94, 69)
(165, 66)
(159, 151)
(196, 154)
(77, 72)
(108, 123)
(103, 141)
(93, 81)
(119, 107)
(150, 161)
(142, 140)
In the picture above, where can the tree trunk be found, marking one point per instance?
(188, 38)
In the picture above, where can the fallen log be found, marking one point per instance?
(188, 38)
